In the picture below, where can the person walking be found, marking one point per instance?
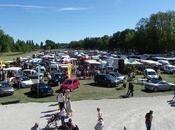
(99, 125)
(60, 100)
(130, 89)
(99, 114)
(148, 119)
(125, 80)
(62, 115)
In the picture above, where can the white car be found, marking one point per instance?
(170, 69)
(22, 81)
(150, 74)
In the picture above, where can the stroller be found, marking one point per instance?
(53, 120)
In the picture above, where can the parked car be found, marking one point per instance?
(169, 69)
(150, 74)
(70, 84)
(105, 79)
(22, 82)
(119, 78)
(31, 73)
(56, 78)
(42, 89)
(6, 88)
(158, 85)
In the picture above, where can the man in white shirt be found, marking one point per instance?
(60, 100)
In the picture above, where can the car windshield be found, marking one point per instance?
(24, 78)
(4, 85)
(117, 74)
(68, 82)
(110, 77)
(151, 73)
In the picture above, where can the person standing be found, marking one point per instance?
(148, 119)
(68, 107)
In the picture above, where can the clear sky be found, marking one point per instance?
(67, 20)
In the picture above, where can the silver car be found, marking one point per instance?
(5, 88)
(158, 85)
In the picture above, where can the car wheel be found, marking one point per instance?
(155, 89)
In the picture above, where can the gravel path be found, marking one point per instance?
(117, 113)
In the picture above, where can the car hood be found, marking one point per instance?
(27, 82)
(7, 89)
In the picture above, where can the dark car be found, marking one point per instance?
(5, 88)
(43, 88)
(105, 79)
(57, 78)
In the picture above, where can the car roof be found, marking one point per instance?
(149, 70)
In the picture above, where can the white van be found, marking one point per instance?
(150, 74)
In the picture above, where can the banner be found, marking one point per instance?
(69, 70)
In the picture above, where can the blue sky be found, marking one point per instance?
(67, 20)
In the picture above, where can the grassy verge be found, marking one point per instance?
(88, 91)
(12, 55)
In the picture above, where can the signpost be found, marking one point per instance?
(39, 78)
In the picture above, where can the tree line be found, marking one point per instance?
(7, 44)
(155, 34)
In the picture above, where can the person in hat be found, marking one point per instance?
(99, 114)
(148, 119)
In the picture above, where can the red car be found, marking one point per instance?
(70, 84)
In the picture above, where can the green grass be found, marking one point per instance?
(13, 55)
(88, 91)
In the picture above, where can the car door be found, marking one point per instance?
(163, 85)
(75, 84)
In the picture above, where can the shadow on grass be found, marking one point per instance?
(32, 95)
(147, 91)
(98, 85)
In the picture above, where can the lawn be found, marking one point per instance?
(88, 91)
(13, 55)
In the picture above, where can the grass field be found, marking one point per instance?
(88, 91)
(13, 55)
